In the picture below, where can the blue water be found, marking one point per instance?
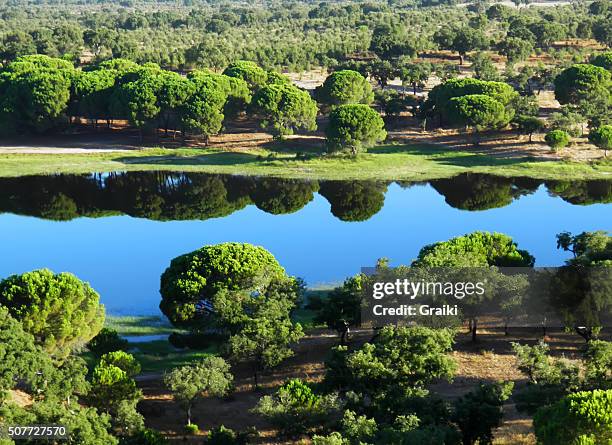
(122, 257)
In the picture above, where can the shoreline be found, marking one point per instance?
(418, 162)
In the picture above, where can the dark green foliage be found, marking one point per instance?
(584, 417)
(145, 436)
(252, 74)
(603, 60)
(582, 82)
(107, 340)
(342, 305)
(353, 127)
(528, 125)
(479, 412)
(59, 310)
(354, 200)
(226, 436)
(479, 112)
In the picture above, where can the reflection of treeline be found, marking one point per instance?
(180, 196)
(187, 196)
(474, 191)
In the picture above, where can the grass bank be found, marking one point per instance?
(388, 162)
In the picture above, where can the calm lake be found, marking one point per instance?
(119, 231)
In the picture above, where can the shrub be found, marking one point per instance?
(192, 428)
(583, 417)
(557, 139)
(145, 436)
(226, 436)
(123, 361)
(107, 340)
(295, 409)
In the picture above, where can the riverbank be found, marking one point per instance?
(415, 162)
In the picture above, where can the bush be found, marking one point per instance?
(295, 409)
(107, 340)
(192, 428)
(145, 436)
(581, 418)
(123, 361)
(226, 436)
(557, 139)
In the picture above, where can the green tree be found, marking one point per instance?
(345, 87)
(122, 360)
(584, 417)
(252, 74)
(59, 310)
(354, 200)
(582, 82)
(353, 127)
(191, 283)
(284, 109)
(474, 250)
(480, 411)
(602, 138)
(415, 74)
(603, 60)
(210, 376)
(468, 39)
(479, 112)
(107, 340)
(557, 139)
(111, 387)
(528, 125)
(515, 49)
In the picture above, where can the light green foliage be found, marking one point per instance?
(121, 360)
(588, 248)
(345, 87)
(294, 409)
(59, 310)
(474, 250)
(284, 109)
(145, 436)
(602, 137)
(583, 417)
(210, 376)
(533, 361)
(484, 68)
(196, 277)
(557, 139)
(352, 127)
(110, 387)
(479, 412)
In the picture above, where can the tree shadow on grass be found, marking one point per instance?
(448, 156)
(221, 158)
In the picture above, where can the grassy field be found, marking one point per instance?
(389, 162)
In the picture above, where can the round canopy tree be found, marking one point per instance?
(345, 87)
(602, 138)
(283, 109)
(475, 250)
(582, 82)
(190, 283)
(255, 76)
(353, 127)
(479, 112)
(59, 310)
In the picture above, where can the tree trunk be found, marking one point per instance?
(460, 59)
(189, 413)
(584, 332)
(530, 137)
(474, 329)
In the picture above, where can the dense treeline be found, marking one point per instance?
(168, 196)
(296, 36)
